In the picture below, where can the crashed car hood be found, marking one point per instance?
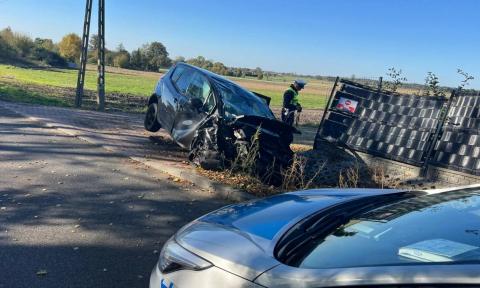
(266, 123)
(241, 238)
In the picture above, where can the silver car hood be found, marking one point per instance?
(241, 238)
(283, 276)
(227, 249)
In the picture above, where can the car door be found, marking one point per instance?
(169, 95)
(194, 105)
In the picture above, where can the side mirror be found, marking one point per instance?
(196, 103)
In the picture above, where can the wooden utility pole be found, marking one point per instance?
(100, 53)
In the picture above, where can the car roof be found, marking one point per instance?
(210, 74)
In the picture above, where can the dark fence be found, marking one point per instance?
(458, 147)
(393, 126)
(418, 130)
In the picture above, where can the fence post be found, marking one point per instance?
(380, 83)
(327, 107)
(440, 124)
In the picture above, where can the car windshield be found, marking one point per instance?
(428, 229)
(238, 101)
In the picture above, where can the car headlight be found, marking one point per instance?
(174, 257)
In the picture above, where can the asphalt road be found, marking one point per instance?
(75, 215)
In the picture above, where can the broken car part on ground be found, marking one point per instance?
(221, 123)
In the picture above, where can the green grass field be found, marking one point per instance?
(122, 81)
(117, 82)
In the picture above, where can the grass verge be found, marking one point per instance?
(139, 83)
(17, 93)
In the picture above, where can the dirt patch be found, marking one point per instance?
(308, 117)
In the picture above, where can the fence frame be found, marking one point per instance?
(438, 134)
(431, 142)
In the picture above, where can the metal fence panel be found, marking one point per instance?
(459, 145)
(393, 126)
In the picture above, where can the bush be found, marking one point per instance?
(15, 45)
(121, 60)
(23, 44)
(18, 47)
(6, 50)
(48, 57)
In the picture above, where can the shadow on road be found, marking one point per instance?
(88, 217)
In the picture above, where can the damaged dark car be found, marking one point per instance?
(219, 122)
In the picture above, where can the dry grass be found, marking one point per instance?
(349, 177)
(383, 179)
(297, 176)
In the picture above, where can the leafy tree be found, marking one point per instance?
(8, 36)
(109, 57)
(46, 44)
(259, 73)
(122, 59)
(179, 59)
(432, 85)
(6, 51)
(199, 61)
(136, 60)
(93, 43)
(92, 56)
(23, 44)
(466, 79)
(219, 68)
(237, 72)
(48, 57)
(396, 79)
(156, 56)
(70, 47)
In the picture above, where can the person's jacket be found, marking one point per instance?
(290, 98)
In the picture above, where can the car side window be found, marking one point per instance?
(177, 73)
(184, 80)
(200, 88)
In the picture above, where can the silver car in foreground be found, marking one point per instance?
(330, 238)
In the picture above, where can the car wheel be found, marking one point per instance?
(151, 123)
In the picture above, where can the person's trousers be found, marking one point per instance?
(288, 116)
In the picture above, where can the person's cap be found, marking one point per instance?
(300, 83)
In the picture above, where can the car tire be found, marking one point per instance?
(151, 123)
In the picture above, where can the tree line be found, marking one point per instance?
(152, 56)
(18, 47)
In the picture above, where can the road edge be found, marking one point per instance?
(218, 189)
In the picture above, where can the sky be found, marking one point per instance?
(342, 37)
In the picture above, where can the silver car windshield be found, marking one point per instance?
(438, 228)
(238, 102)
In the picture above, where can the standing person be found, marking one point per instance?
(291, 102)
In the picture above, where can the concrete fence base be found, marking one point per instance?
(408, 174)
